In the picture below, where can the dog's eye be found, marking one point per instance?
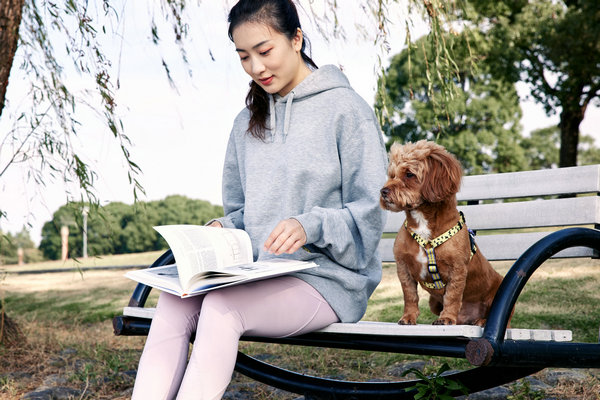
(410, 175)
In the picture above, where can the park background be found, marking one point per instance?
(179, 129)
(65, 342)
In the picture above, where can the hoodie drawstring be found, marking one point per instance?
(288, 113)
(286, 119)
(273, 124)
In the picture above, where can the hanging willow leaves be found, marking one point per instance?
(42, 137)
(59, 39)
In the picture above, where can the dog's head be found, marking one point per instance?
(419, 173)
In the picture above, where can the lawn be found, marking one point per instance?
(62, 314)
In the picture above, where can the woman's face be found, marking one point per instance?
(269, 57)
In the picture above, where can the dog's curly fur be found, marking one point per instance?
(423, 179)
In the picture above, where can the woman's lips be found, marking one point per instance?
(266, 81)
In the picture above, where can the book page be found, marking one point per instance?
(166, 277)
(202, 248)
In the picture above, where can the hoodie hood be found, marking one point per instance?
(325, 78)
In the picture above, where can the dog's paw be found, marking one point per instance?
(407, 321)
(480, 322)
(444, 321)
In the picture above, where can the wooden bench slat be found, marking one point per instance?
(534, 214)
(501, 247)
(525, 214)
(469, 331)
(584, 179)
(393, 329)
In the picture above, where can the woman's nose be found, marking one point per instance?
(257, 67)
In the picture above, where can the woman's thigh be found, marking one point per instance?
(277, 307)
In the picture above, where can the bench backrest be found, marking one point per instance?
(511, 211)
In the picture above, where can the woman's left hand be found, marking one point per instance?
(287, 237)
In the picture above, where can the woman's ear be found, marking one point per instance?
(297, 40)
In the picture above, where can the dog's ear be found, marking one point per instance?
(443, 177)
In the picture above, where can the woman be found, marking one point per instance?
(303, 169)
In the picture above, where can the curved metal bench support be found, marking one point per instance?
(492, 349)
(474, 379)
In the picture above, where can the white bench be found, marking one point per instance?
(510, 212)
(393, 329)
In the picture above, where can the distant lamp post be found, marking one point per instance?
(85, 212)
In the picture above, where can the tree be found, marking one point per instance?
(551, 45)
(480, 124)
(10, 243)
(10, 19)
(119, 228)
(543, 148)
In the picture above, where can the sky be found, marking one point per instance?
(179, 136)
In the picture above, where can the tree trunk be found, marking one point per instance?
(10, 19)
(10, 333)
(570, 119)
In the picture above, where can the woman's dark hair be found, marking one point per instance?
(282, 16)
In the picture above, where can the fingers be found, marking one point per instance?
(287, 237)
(215, 224)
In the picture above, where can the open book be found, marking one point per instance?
(209, 258)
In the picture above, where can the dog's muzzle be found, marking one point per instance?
(385, 193)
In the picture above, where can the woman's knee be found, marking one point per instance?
(177, 312)
(220, 311)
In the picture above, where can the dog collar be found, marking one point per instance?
(430, 251)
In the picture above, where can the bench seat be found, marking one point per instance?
(392, 329)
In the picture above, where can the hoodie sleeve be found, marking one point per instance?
(350, 235)
(233, 189)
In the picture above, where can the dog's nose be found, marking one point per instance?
(384, 192)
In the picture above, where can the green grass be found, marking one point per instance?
(77, 314)
(561, 303)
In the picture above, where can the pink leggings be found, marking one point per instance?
(278, 307)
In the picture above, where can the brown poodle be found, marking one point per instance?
(434, 247)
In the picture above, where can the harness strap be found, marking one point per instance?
(430, 251)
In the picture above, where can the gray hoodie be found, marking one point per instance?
(323, 163)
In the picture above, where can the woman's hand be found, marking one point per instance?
(287, 237)
(215, 224)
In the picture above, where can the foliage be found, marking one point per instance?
(522, 391)
(481, 125)
(436, 386)
(10, 243)
(118, 228)
(59, 41)
(553, 47)
(44, 131)
(542, 149)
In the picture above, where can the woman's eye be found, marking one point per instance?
(264, 53)
(244, 58)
